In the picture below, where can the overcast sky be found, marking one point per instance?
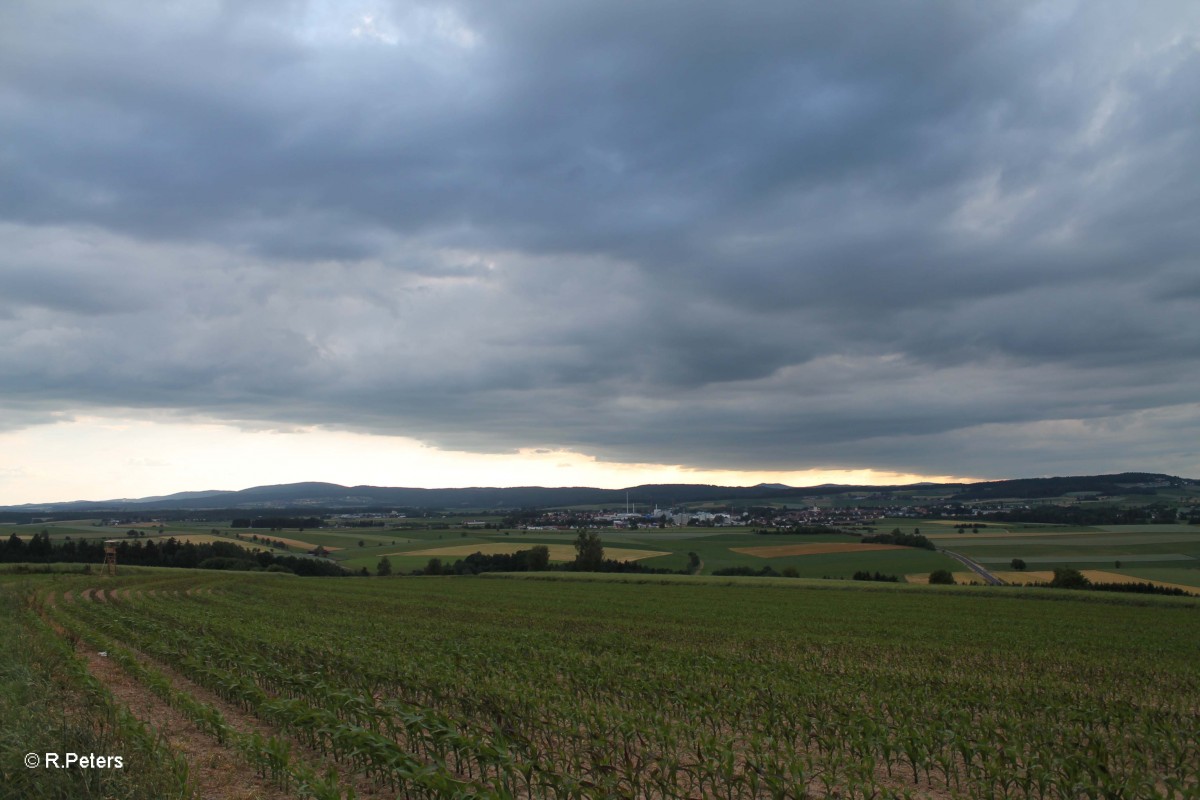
(418, 243)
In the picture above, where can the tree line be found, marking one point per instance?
(1091, 515)
(277, 522)
(589, 557)
(161, 553)
(897, 537)
(799, 530)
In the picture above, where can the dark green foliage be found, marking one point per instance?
(1092, 515)
(1067, 578)
(801, 530)
(159, 553)
(898, 537)
(863, 575)
(385, 567)
(13, 548)
(538, 557)
(39, 547)
(1142, 588)
(609, 565)
(1018, 563)
(589, 552)
(765, 572)
(535, 559)
(942, 577)
(278, 522)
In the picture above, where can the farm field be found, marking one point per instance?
(586, 687)
(1164, 554)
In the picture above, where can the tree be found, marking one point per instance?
(39, 547)
(384, 568)
(941, 576)
(538, 558)
(694, 562)
(1018, 564)
(434, 567)
(589, 551)
(1066, 578)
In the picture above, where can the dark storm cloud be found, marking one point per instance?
(799, 235)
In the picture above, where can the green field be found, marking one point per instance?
(1164, 553)
(584, 686)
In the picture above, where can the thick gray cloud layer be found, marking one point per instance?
(955, 238)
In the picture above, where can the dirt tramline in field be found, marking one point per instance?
(498, 688)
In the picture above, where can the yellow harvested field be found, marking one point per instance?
(1093, 575)
(961, 578)
(815, 548)
(1100, 576)
(558, 552)
(203, 538)
(245, 541)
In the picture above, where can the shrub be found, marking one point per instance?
(942, 577)
(1066, 578)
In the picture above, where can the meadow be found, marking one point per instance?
(583, 686)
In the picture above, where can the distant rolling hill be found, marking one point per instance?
(313, 495)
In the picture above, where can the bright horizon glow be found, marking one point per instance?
(108, 458)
